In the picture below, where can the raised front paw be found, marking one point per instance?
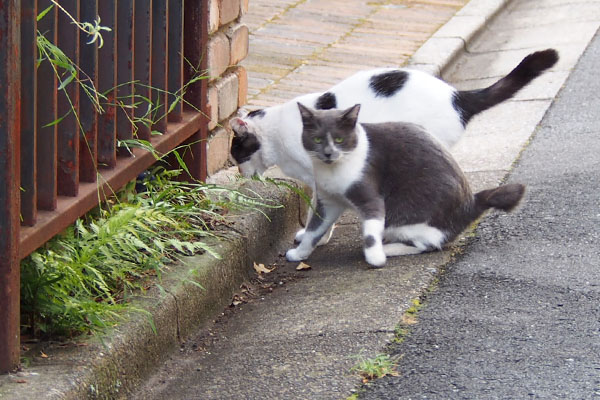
(375, 256)
(294, 255)
(299, 235)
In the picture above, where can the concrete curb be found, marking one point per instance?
(448, 42)
(114, 368)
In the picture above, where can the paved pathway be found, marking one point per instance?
(303, 46)
(299, 341)
(518, 315)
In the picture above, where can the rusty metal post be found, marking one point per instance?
(175, 59)
(68, 105)
(160, 48)
(142, 51)
(28, 111)
(195, 40)
(125, 68)
(88, 62)
(47, 133)
(10, 115)
(107, 82)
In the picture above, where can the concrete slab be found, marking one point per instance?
(495, 138)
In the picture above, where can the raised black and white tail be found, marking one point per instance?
(471, 102)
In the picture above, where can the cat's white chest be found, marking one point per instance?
(337, 178)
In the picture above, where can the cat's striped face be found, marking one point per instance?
(328, 134)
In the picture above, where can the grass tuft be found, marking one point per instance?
(80, 281)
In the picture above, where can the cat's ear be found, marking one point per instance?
(350, 116)
(239, 127)
(306, 114)
(242, 112)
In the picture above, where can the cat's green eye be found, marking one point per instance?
(317, 140)
(339, 140)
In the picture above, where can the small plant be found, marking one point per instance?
(400, 333)
(81, 280)
(374, 368)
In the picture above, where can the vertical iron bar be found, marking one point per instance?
(88, 62)
(28, 111)
(143, 49)
(10, 15)
(125, 67)
(107, 82)
(46, 113)
(68, 103)
(175, 59)
(195, 43)
(159, 64)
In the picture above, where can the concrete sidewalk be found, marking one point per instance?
(294, 333)
(518, 315)
(301, 340)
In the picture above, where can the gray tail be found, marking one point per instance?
(470, 102)
(504, 197)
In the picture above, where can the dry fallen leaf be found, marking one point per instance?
(303, 266)
(20, 381)
(260, 268)
(43, 355)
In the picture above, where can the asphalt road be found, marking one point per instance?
(518, 315)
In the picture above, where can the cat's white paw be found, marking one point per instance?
(294, 255)
(324, 239)
(375, 256)
(299, 235)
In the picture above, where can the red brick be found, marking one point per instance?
(218, 150)
(213, 102)
(213, 16)
(243, 7)
(242, 77)
(218, 55)
(238, 42)
(227, 90)
(229, 10)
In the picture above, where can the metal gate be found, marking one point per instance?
(52, 173)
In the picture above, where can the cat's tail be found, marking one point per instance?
(505, 197)
(471, 102)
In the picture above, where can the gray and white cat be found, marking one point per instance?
(273, 136)
(407, 189)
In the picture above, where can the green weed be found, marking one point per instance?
(374, 368)
(80, 281)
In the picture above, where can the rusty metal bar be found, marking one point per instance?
(10, 15)
(125, 68)
(68, 103)
(175, 59)
(46, 159)
(127, 168)
(195, 43)
(159, 63)
(88, 62)
(143, 49)
(107, 82)
(28, 111)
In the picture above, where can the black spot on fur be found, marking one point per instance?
(388, 83)
(256, 113)
(369, 241)
(326, 101)
(244, 146)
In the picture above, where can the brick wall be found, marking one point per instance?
(228, 87)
